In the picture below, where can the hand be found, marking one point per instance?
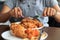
(49, 12)
(16, 12)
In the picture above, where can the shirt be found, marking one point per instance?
(31, 8)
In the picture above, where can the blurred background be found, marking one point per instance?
(1, 5)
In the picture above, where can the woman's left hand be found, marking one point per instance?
(49, 12)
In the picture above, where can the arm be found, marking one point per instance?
(51, 10)
(57, 16)
(7, 12)
(54, 4)
(4, 16)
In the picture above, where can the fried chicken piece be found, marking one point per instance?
(29, 25)
(27, 20)
(18, 30)
(24, 28)
(32, 23)
(38, 23)
(32, 33)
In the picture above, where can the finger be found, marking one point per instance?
(19, 12)
(54, 12)
(45, 11)
(15, 10)
(12, 13)
(48, 11)
(20, 15)
(51, 12)
(18, 8)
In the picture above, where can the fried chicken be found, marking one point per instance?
(24, 28)
(33, 23)
(18, 30)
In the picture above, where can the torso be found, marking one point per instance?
(31, 7)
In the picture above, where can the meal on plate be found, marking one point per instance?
(24, 29)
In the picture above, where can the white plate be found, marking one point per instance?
(7, 36)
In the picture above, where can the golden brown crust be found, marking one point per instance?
(33, 23)
(19, 29)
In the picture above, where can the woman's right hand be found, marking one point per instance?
(16, 12)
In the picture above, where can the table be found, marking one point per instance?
(53, 32)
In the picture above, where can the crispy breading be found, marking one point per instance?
(33, 23)
(24, 28)
(18, 30)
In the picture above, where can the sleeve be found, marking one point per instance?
(9, 3)
(54, 2)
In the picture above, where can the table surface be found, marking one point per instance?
(53, 32)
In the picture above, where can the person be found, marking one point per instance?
(30, 8)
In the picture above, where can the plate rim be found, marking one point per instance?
(5, 37)
(9, 39)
